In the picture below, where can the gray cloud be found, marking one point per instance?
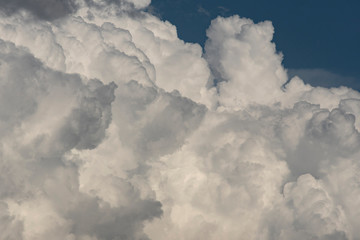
(54, 9)
(39, 173)
(44, 9)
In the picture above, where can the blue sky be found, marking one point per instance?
(314, 36)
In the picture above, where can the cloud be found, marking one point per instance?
(308, 212)
(114, 128)
(51, 113)
(203, 11)
(54, 9)
(125, 4)
(241, 56)
(43, 9)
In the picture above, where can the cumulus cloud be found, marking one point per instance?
(242, 56)
(43, 9)
(114, 128)
(54, 9)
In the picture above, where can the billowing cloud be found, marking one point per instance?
(54, 9)
(114, 128)
(44, 9)
(242, 56)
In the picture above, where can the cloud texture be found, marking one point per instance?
(114, 128)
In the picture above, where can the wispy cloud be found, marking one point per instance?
(203, 11)
(223, 10)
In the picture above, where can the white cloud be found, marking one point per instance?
(242, 57)
(113, 128)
